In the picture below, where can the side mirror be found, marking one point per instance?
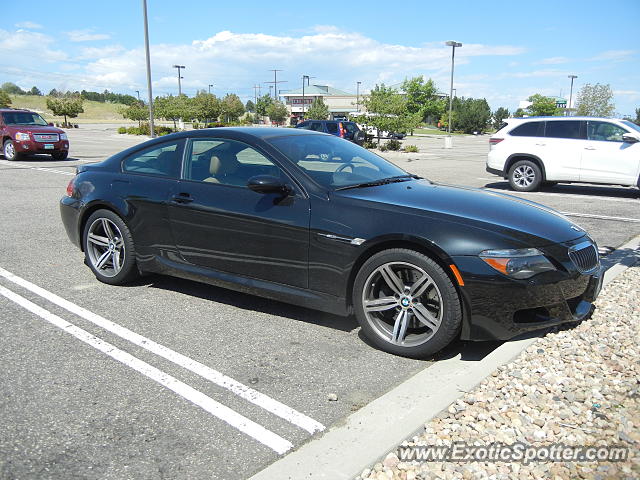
(627, 138)
(268, 184)
(50, 124)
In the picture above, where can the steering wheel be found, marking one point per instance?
(344, 166)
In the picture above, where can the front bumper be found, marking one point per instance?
(499, 308)
(31, 146)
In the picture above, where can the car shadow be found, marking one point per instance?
(574, 189)
(248, 302)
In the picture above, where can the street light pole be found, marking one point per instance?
(138, 92)
(453, 46)
(179, 77)
(210, 85)
(148, 57)
(572, 77)
(303, 78)
(358, 96)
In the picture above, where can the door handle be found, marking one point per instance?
(590, 148)
(540, 144)
(182, 198)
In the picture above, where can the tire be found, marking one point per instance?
(549, 184)
(525, 176)
(106, 232)
(406, 324)
(60, 155)
(9, 151)
(359, 137)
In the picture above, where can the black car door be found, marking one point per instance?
(219, 223)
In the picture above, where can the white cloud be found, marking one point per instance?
(535, 73)
(613, 56)
(27, 48)
(553, 61)
(29, 25)
(86, 35)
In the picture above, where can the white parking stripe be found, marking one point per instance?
(258, 432)
(247, 393)
(566, 195)
(602, 217)
(42, 169)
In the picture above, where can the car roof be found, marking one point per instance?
(5, 110)
(259, 132)
(524, 119)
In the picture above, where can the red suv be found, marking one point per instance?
(25, 133)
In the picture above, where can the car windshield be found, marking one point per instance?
(335, 163)
(23, 118)
(631, 125)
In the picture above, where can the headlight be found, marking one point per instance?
(22, 136)
(520, 264)
(63, 136)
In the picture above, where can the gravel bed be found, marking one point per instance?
(576, 386)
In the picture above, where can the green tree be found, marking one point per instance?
(263, 103)
(595, 101)
(637, 120)
(5, 99)
(388, 111)
(68, 105)
(422, 98)
(175, 108)
(498, 116)
(12, 89)
(542, 106)
(519, 113)
(472, 114)
(232, 107)
(34, 91)
(136, 112)
(277, 112)
(207, 107)
(318, 110)
(250, 106)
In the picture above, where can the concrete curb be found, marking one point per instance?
(378, 428)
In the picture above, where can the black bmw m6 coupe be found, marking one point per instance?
(314, 220)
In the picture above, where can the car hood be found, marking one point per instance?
(35, 129)
(528, 222)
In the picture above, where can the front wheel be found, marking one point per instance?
(9, 150)
(406, 304)
(525, 176)
(108, 248)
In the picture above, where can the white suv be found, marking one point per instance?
(537, 150)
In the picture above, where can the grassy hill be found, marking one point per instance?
(94, 112)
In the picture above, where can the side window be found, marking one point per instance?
(316, 127)
(303, 125)
(564, 129)
(225, 162)
(332, 128)
(529, 129)
(162, 160)
(605, 131)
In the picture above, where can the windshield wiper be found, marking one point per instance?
(382, 181)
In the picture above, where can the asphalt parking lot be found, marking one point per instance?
(146, 381)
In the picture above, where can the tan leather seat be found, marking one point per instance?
(221, 171)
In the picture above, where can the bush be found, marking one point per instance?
(122, 130)
(393, 144)
(369, 144)
(411, 149)
(383, 148)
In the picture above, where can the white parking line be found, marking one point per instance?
(42, 169)
(602, 217)
(258, 432)
(247, 393)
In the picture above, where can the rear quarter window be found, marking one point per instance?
(528, 129)
(332, 128)
(564, 129)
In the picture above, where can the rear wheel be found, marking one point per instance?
(9, 150)
(406, 304)
(525, 176)
(108, 247)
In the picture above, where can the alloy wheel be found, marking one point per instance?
(105, 247)
(524, 176)
(402, 304)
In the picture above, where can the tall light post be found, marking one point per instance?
(358, 96)
(138, 92)
(210, 85)
(453, 46)
(572, 77)
(148, 57)
(179, 67)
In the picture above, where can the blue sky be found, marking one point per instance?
(511, 49)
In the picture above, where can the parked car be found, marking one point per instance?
(530, 152)
(347, 130)
(25, 133)
(383, 133)
(317, 221)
